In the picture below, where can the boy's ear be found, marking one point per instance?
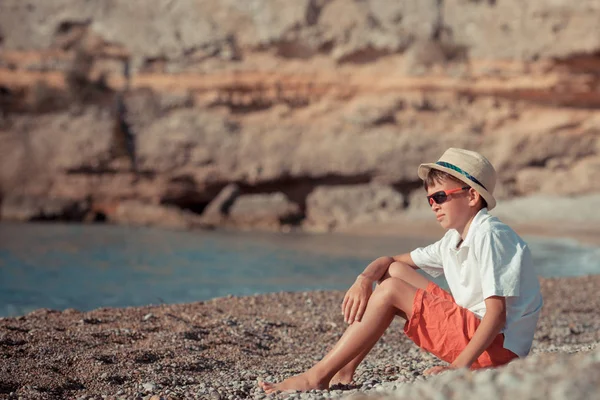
(474, 197)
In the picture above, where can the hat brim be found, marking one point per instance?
(424, 169)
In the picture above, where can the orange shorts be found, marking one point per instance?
(444, 328)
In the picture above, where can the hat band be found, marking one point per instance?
(460, 171)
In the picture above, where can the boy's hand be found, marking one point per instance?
(355, 301)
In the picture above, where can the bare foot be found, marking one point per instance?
(299, 382)
(342, 378)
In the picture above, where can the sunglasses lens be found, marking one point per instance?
(438, 197)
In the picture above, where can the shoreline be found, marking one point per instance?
(418, 225)
(362, 243)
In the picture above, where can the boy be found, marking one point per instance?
(491, 315)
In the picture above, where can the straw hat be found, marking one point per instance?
(468, 166)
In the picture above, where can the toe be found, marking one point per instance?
(268, 387)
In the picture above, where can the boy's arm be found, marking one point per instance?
(356, 298)
(492, 323)
(378, 268)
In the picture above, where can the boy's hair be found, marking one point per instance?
(436, 176)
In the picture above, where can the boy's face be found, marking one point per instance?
(455, 212)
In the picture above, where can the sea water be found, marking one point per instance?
(60, 266)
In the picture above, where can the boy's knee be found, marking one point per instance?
(384, 290)
(398, 269)
(391, 287)
(396, 292)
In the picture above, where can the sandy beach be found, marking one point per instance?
(218, 349)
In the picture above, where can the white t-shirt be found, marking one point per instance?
(492, 261)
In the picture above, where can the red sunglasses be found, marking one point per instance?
(441, 196)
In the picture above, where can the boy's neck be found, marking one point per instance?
(463, 232)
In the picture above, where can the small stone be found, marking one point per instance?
(148, 316)
(149, 386)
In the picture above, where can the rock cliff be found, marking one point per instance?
(159, 107)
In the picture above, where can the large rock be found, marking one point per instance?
(215, 149)
(134, 212)
(538, 138)
(551, 209)
(44, 147)
(511, 29)
(187, 32)
(162, 30)
(560, 179)
(263, 211)
(369, 111)
(200, 30)
(218, 208)
(187, 138)
(186, 155)
(417, 203)
(279, 96)
(349, 25)
(25, 208)
(331, 207)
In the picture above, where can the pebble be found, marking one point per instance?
(148, 316)
(228, 360)
(149, 386)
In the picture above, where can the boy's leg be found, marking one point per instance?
(389, 297)
(345, 376)
(396, 270)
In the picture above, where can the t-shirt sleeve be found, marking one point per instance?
(429, 258)
(500, 257)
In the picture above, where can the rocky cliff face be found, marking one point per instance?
(318, 112)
